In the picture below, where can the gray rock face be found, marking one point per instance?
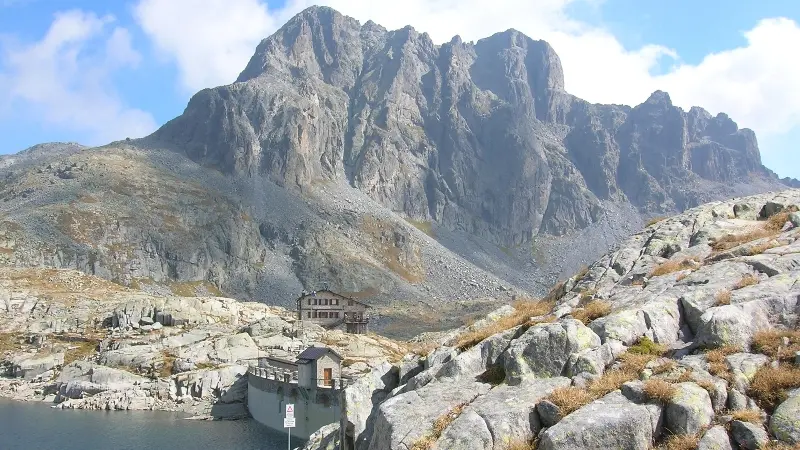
(504, 414)
(360, 401)
(785, 422)
(610, 422)
(544, 350)
(716, 438)
(399, 138)
(749, 436)
(31, 367)
(398, 419)
(690, 410)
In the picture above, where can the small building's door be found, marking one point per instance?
(327, 375)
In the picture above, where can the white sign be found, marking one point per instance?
(290, 410)
(288, 422)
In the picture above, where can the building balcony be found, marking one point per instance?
(356, 320)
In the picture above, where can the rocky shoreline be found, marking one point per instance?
(80, 342)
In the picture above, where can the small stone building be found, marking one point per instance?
(319, 367)
(329, 309)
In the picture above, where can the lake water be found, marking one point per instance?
(36, 426)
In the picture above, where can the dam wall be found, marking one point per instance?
(267, 397)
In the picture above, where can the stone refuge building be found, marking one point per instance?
(329, 309)
(312, 383)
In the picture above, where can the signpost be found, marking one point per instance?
(288, 422)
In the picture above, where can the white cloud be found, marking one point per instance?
(63, 79)
(756, 84)
(210, 40)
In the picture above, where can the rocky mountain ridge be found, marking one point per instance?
(686, 337)
(479, 136)
(436, 182)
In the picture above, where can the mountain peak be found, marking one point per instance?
(425, 130)
(659, 97)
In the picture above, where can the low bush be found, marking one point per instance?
(646, 346)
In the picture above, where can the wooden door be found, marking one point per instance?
(327, 376)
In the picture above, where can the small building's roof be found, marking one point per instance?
(312, 294)
(315, 353)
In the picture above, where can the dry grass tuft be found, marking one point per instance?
(770, 384)
(569, 399)
(520, 444)
(593, 310)
(439, 425)
(777, 445)
(168, 359)
(776, 222)
(659, 390)
(777, 344)
(708, 385)
(747, 280)
(80, 348)
(718, 354)
(422, 348)
(769, 228)
(758, 249)
(717, 365)
(611, 381)
(524, 310)
(722, 298)
(680, 442)
(9, 342)
(664, 367)
(685, 376)
(747, 415)
(672, 266)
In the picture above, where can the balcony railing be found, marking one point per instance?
(269, 373)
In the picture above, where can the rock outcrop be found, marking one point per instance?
(636, 351)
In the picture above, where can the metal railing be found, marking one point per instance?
(271, 373)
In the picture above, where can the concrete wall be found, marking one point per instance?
(267, 399)
(305, 375)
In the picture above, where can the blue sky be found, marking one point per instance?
(733, 56)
